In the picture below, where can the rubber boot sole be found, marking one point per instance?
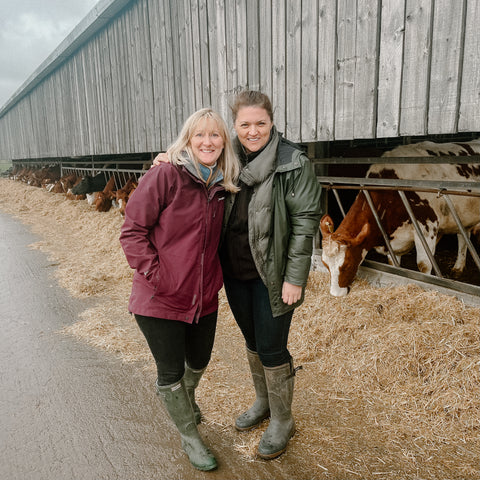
(251, 427)
(271, 456)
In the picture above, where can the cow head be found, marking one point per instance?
(342, 254)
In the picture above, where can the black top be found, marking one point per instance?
(235, 254)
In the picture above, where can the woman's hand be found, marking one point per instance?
(161, 157)
(291, 293)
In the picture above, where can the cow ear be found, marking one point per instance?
(364, 232)
(326, 225)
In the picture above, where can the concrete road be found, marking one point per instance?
(69, 411)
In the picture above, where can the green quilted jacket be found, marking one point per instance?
(283, 216)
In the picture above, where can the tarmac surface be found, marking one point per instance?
(70, 411)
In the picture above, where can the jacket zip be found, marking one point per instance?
(210, 196)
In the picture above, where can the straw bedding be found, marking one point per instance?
(390, 385)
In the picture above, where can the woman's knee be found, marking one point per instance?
(274, 359)
(168, 376)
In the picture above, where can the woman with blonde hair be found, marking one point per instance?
(266, 247)
(170, 237)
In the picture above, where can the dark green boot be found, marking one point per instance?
(178, 404)
(191, 379)
(280, 382)
(260, 408)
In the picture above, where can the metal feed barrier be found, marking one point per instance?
(444, 189)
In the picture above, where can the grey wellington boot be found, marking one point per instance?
(191, 379)
(177, 402)
(280, 382)
(260, 408)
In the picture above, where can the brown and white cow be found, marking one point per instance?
(123, 194)
(344, 249)
(103, 199)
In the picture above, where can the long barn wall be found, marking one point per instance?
(335, 70)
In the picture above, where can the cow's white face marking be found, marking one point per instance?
(91, 197)
(333, 256)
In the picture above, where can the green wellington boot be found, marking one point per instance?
(177, 402)
(191, 380)
(280, 382)
(260, 408)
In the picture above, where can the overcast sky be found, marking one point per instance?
(30, 30)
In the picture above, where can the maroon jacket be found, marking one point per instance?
(170, 237)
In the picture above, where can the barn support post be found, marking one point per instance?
(419, 233)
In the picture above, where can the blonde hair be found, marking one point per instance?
(227, 162)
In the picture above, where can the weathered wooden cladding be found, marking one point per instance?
(335, 70)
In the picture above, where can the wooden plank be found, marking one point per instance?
(101, 76)
(124, 98)
(366, 52)
(161, 123)
(189, 73)
(143, 49)
(187, 62)
(91, 99)
(204, 52)
(213, 53)
(278, 63)
(51, 122)
(309, 68)
(107, 87)
(135, 54)
(390, 68)
(293, 68)
(61, 139)
(25, 127)
(231, 45)
(327, 20)
(117, 115)
(416, 67)
(241, 44)
(218, 67)
(82, 106)
(169, 76)
(447, 51)
(345, 69)
(130, 23)
(253, 44)
(197, 59)
(469, 114)
(179, 86)
(265, 46)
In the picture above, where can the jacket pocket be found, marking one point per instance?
(162, 278)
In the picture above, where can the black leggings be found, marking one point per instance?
(175, 343)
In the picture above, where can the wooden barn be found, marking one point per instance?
(347, 78)
(130, 73)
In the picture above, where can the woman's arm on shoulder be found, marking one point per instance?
(161, 157)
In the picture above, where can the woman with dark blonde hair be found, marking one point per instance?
(170, 237)
(266, 248)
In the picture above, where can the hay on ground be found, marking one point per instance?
(390, 384)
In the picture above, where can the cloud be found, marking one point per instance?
(30, 30)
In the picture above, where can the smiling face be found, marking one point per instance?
(253, 126)
(207, 142)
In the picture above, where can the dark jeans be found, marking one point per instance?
(174, 343)
(265, 334)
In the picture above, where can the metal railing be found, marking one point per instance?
(444, 189)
